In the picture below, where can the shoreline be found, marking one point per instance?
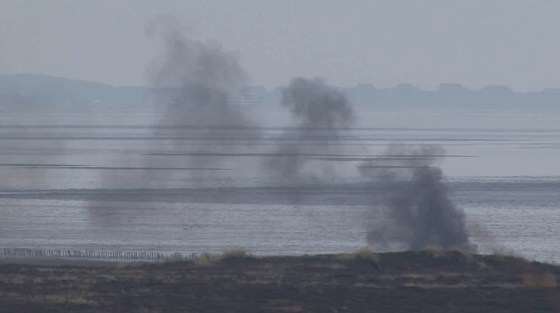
(426, 281)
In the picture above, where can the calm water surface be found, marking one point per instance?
(112, 186)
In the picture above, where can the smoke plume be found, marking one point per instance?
(198, 84)
(319, 111)
(196, 89)
(419, 212)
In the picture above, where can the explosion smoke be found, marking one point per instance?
(319, 110)
(197, 84)
(420, 213)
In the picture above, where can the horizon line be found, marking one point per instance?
(402, 85)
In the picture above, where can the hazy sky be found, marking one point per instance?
(383, 42)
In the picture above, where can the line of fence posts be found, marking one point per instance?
(84, 253)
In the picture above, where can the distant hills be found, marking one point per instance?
(455, 96)
(23, 90)
(42, 90)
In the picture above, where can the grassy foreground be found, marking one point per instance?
(360, 282)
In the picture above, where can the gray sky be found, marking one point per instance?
(383, 42)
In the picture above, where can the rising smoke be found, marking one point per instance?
(319, 112)
(197, 85)
(419, 212)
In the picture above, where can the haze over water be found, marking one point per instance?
(503, 178)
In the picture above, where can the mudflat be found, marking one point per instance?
(429, 281)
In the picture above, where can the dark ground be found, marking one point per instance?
(361, 282)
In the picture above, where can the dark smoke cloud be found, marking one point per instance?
(198, 84)
(418, 209)
(197, 80)
(196, 88)
(314, 104)
(319, 110)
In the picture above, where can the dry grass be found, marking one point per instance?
(206, 259)
(435, 251)
(236, 253)
(539, 280)
(67, 299)
(363, 254)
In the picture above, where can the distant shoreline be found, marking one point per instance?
(431, 281)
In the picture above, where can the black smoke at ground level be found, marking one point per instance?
(196, 85)
(419, 213)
